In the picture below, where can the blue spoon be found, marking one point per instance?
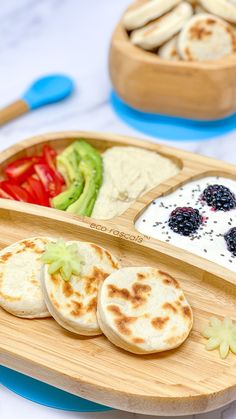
(46, 90)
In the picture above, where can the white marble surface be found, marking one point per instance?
(72, 36)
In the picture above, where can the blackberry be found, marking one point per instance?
(219, 197)
(230, 238)
(185, 220)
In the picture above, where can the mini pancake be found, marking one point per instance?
(226, 9)
(169, 51)
(20, 270)
(146, 12)
(73, 303)
(143, 310)
(157, 33)
(206, 37)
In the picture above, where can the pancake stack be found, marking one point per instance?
(194, 30)
(82, 286)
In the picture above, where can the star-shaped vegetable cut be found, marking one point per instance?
(62, 258)
(222, 335)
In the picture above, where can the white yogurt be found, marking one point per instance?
(208, 241)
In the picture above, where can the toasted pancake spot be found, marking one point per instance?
(198, 32)
(169, 306)
(5, 257)
(92, 305)
(113, 263)
(9, 298)
(138, 340)
(159, 322)
(140, 276)
(54, 301)
(139, 291)
(34, 281)
(210, 21)
(232, 35)
(97, 249)
(114, 292)
(97, 277)
(169, 280)
(121, 320)
(137, 297)
(55, 278)
(188, 54)
(67, 289)
(187, 312)
(28, 244)
(77, 310)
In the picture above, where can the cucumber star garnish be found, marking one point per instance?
(222, 335)
(62, 258)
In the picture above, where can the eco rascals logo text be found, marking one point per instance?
(118, 233)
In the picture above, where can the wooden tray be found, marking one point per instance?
(205, 91)
(187, 380)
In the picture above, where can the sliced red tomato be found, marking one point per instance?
(5, 195)
(50, 181)
(50, 150)
(39, 192)
(30, 191)
(19, 170)
(50, 159)
(38, 159)
(16, 191)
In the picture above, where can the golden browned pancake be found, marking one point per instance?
(206, 37)
(144, 310)
(160, 31)
(226, 9)
(20, 270)
(144, 13)
(73, 304)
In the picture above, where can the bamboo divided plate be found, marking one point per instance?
(186, 380)
(146, 82)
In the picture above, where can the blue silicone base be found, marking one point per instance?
(44, 394)
(171, 128)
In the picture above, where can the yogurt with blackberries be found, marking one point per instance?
(199, 217)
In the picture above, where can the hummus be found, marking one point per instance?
(128, 173)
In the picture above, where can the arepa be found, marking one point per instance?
(73, 303)
(157, 33)
(20, 270)
(146, 12)
(168, 51)
(143, 310)
(226, 9)
(206, 37)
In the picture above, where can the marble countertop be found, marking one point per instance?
(47, 36)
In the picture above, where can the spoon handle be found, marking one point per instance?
(12, 111)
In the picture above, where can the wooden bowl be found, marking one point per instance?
(202, 91)
(187, 380)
